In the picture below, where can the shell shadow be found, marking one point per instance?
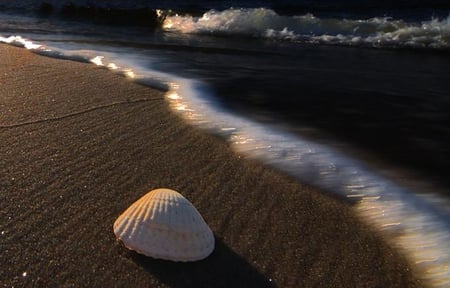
(223, 268)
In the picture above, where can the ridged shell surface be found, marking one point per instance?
(165, 225)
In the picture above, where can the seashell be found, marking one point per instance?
(163, 224)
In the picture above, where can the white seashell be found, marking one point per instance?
(163, 224)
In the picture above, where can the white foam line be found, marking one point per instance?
(21, 42)
(417, 224)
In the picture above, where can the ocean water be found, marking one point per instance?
(353, 98)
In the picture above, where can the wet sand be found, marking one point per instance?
(79, 144)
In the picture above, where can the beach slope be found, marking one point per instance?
(79, 144)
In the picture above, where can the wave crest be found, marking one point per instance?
(265, 23)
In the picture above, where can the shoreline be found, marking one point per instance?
(79, 144)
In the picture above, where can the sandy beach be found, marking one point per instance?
(79, 144)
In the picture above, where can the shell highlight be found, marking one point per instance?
(165, 225)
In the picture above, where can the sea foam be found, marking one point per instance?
(265, 23)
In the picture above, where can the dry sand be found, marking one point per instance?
(79, 144)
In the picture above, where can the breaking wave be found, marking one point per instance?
(266, 23)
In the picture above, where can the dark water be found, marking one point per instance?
(392, 104)
(289, 7)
